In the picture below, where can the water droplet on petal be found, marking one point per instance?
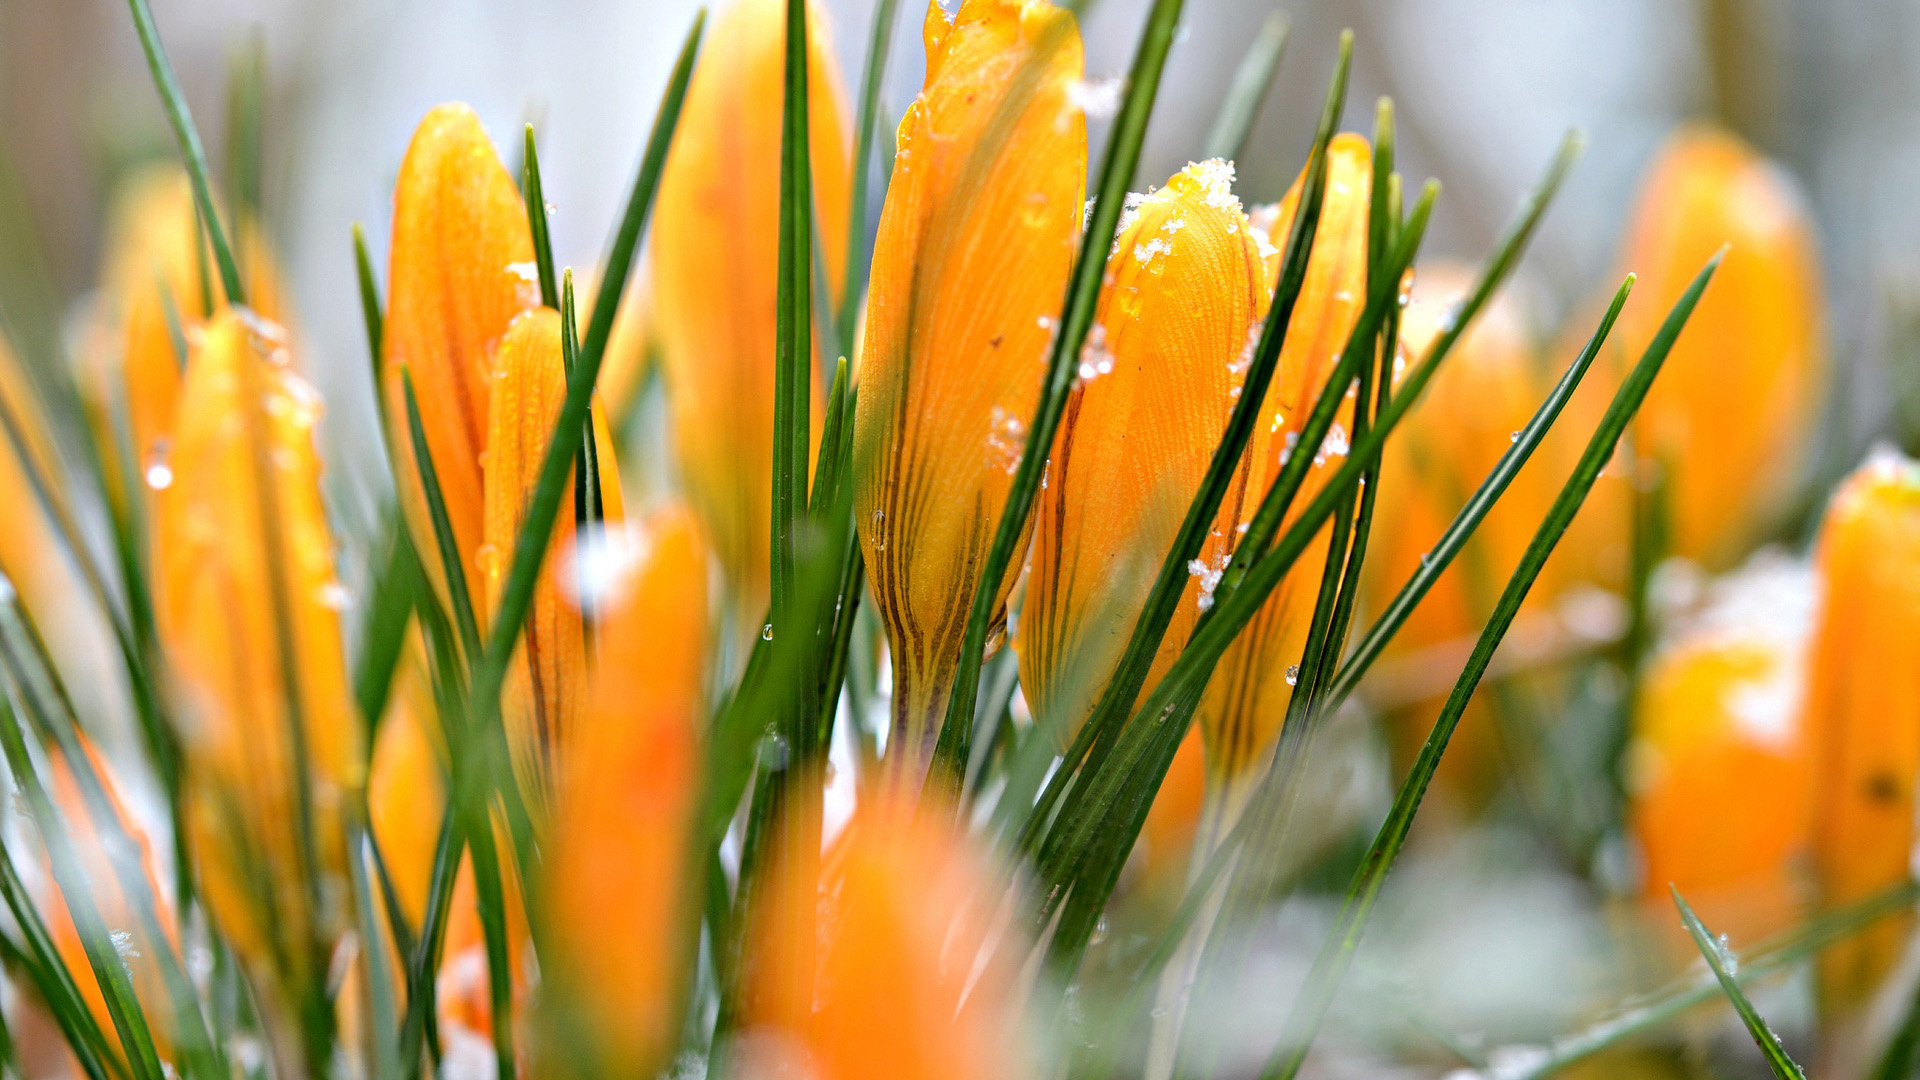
(766, 632)
(1293, 675)
(159, 472)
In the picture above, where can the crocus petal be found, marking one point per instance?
(1185, 284)
(1720, 767)
(461, 269)
(715, 270)
(621, 829)
(248, 609)
(407, 782)
(970, 264)
(1243, 706)
(1730, 410)
(901, 927)
(1863, 711)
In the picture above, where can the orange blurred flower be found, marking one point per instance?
(248, 608)
(461, 268)
(623, 818)
(1186, 282)
(1863, 711)
(1728, 415)
(29, 556)
(975, 244)
(1246, 701)
(1720, 769)
(715, 265)
(905, 925)
(407, 781)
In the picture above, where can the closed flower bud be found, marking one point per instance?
(461, 269)
(248, 608)
(715, 271)
(1863, 712)
(970, 264)
(1185, 284)
(906, 925)
(541, 697)
(1243, 706)
(1719, 765)
(1727, 417)
(621, 827)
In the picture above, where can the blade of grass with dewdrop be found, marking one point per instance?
(47, 974)
(1085, 812)
(1720, 963)
(48, 705)
(174, 103)
(536, 200)
(1095, 737)
(246, 106)
(853, 282)
(116, 985)
(376, 322)
(951, 751)
(1233, 123)
(793, 335)
(1337, 953)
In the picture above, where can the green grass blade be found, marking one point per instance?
(383, 636)
(383, 1011)
(1233, 124)
(1720, 962)
(1337, 953)
(853, 282)
(793, 321)
(952, 750)
(451, 564)
(536, 199)
(1902, 1055)
(1143, 644)
(176, 331)
(47, 974)
(491, 903)
(370, 305)
(180, 118)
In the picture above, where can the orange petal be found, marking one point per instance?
(1185, 284)
(715, 265)
(461, 268)
(30, 557)
(1720, 771)
(1863, 710)
(407, 781)
(902, 927)
(240, 564)
(1729, 413)
(623, 817)
(1243, 706)
(969, 267)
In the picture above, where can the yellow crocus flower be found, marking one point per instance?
(1730, 411)
(248, 609)
(461, 268)
(1186, 282)
(969, 268)
(715, 268)
(1863, 712)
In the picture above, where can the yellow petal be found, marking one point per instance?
(715, 264)
(902, 927)
(245, 561)
(461, 268)
(969, 267)
(407, 781)
(1243, 706)
(621, 829)
(1729, 413)
(1185, 285)
(1863, 711)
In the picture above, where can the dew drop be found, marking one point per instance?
(766, 632)
(876, 534)
(1514, 437)
(334, 596)
(1293, 675)
(159, 471)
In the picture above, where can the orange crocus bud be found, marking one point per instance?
(461, 269)
(1720, 768)
(1730, 410)
(1186, 282)
(630, 349)
(1243, 706)
(1863, 711)
(29, 556)
(248, 608)
(407, 782)
(975, 243)
(621, 827)
(541, 697)
(903, 925)
(114, 905)
(715, 271)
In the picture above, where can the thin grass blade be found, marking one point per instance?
(1719, 963)
(1233, 124)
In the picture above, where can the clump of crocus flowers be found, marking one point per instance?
(1019, 577)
